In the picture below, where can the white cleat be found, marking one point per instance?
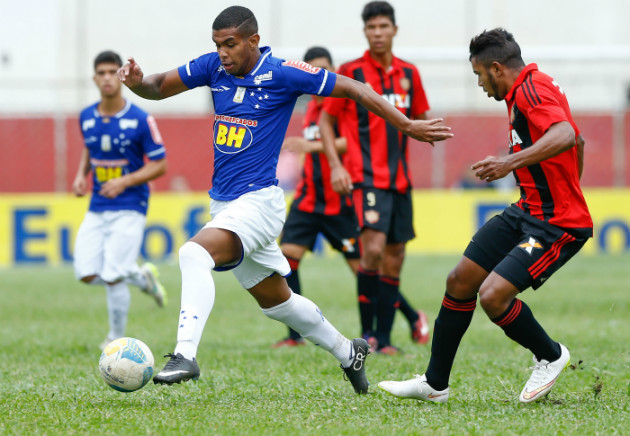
(416, 388)
(154, 287)
(544, 377)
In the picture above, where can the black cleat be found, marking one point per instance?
(177, 370)
(356, 371)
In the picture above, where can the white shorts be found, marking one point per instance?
(108, 244)
(257, 219)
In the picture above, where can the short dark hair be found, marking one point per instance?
(107, 57)
(496, 45)
(317, 52)
(375, 9)
(239, 17)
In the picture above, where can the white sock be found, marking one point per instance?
(118, 299)
(197, 297)
(303, 316)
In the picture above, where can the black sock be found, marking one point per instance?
(386, 309)
(519, 324)
(293, 280)
(409, 312)
(367, 287)
(449, 328)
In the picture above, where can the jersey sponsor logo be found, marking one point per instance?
(88, 124)
(530, 245)
(231, 138)
(311, 133)
(300, 65)
(155, 132)
(400, 101)
(263, 77)
(235, 120)
(514, 138)
(127, 124)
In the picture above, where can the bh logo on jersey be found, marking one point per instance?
(231, 138)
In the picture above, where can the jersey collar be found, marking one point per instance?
(520, 79)
(120, 114)
(367, 57)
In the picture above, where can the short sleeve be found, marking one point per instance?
(419, 104)
(198, 72)
(152, 143)
(541, 105)
(306, 79)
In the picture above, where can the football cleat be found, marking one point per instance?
(416, 388)
(289, 342)
(544, 376)
(420, 329)
(371, 340)
(154, 287)
(177, 370)
(355, 373)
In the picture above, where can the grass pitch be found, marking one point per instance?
(51, 327)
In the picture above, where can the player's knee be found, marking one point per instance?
(191, 252)
(491, 301)
(459, 287)
(88, 279)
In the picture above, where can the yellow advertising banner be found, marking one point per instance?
(40, 228)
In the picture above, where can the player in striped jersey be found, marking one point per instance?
(531, 239)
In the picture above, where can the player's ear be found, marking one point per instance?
(254, 40)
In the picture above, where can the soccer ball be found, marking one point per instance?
(126, 364)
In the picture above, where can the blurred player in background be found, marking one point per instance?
(253, 94)
(117, 135)
(316, 207)
(378, 166)
(531, 239)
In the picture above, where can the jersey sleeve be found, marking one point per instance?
(306, 79)
(152, 143)
(540, 102)
(419, 103)
(198, 72)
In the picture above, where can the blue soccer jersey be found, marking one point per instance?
(252, 114)
(117, 146)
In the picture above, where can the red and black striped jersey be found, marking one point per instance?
(377, 153)
(550, 190)
(314, 192)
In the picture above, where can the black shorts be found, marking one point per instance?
(522, 249)
(387, 211)
(342, 230)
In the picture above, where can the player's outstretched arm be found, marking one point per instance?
(154, 87)
(422, 130)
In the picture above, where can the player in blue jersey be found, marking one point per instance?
(117, 135)
(254, 94)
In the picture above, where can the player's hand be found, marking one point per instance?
(341, 181)
(428, 130)
(113, 187)
(130, 74)
(79, 186)
(491, 168)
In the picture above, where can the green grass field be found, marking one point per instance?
(51, 327)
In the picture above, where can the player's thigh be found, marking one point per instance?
(271, 291)
(260, 264)
(122, 245)
(464, 281)
(89, 246)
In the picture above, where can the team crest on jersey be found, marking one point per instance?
(530, 245)
(372, 216)
(300, 65)
(239, 95)
(232, 138)
(405, 84)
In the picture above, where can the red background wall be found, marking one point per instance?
(28, 152)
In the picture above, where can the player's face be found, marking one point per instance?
(487, 79)
(106, 79)
(380, 32)
(238, 54)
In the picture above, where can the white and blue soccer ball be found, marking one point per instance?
(126, 364)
